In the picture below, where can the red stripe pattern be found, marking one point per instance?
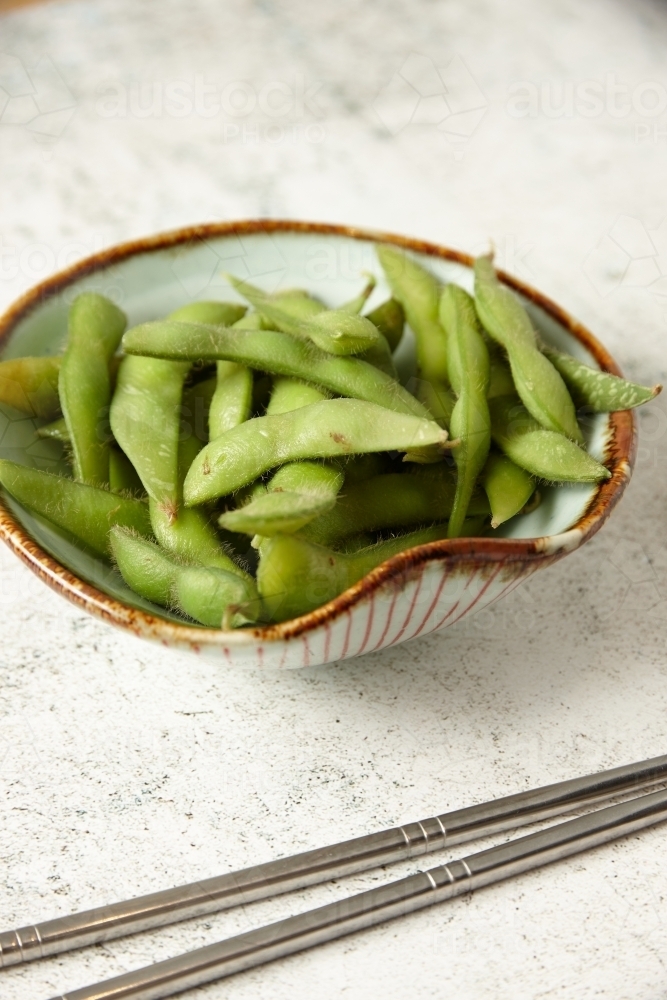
(438, 596)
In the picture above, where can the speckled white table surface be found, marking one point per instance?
(125, 768)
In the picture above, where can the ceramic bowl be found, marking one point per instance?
(422, 590)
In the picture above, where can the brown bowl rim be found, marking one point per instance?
(620, 455)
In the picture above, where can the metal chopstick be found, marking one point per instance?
(335, 920)
(310, 867)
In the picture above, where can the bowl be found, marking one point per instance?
(423, 589)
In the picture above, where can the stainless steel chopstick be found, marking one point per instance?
(310, 867)
(335, 920)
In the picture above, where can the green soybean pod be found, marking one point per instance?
(470, 423)
(274, 352)
(296, 576)
(251, 321)
(291, 393)
(297, 302)
(380, 357)
(203, 593)
(86, 512)
(123, 476)
(437, 397)
(276, 513)
(543, 453)
(216, 598)
(389, 318)
(196, 403)
(230, 397)
(145, 420)
(299, 492)
(418, 291)
(232, 401)
(190, 535)
(501, 382)
(146, 568)
(95, 327)
(217, 313)
(56, 431)
(540, 387)
(390, 501)
(508, 487)
(30, 385)
(326, 429)
(356, 304)
(599, 391)
(336, 331)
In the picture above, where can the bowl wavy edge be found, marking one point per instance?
(461, 552)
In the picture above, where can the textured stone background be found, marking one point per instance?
(125, 768)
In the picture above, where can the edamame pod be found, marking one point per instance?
(418, 291)
(389, 318)
(31, 386)
(356, 304)
(274, 352)
(277, 513)
(470, 423)
(123, 476)
(145, 420)
(297, 302)
(190, 535)
(146, 568)
(296, 576)
(437, 397)
(216, 598)
(292, 393)
(501, 382)
(543, 453)
(540, 387)
(207, 595)
(87, 512)
(217, 313)
(335, 331)
(380, 357)
(393, 500)
(57, 431)
(299, 492)
(196, 403)
(251, 321)
(322, 430)
(599, 391)
(508, 487)
(232, 401)
(326, 477)
(226, 402)
(95, 326)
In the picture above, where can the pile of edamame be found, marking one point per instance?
(243, 465)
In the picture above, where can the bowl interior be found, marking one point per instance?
(151, 283)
